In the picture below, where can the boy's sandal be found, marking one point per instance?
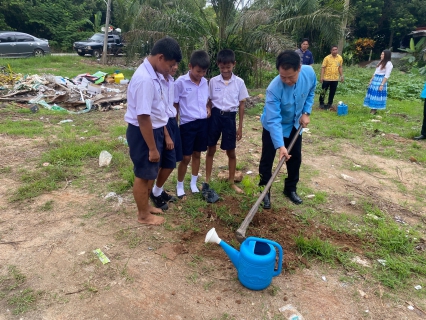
(182, 196)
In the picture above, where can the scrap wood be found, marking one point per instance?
(117, 98)
(24, 99)
(15, 93)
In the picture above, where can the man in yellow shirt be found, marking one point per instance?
(331, 71)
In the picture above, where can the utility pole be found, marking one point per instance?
(343, 28)
(105, 50)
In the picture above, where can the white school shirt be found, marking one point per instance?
(386, 71)
(192, 98)
(170, 110)
(226, 95)
(146, 95)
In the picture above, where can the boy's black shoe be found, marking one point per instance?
(167, 197)
(327, 106)
(209, 194)
(158, 202)
(321, 106)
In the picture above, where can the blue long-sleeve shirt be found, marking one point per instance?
(285, 104)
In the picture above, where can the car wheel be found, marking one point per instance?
(81, 54)
(96, 53)
(38, 53)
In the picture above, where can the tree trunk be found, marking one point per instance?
(343, 29)
(391, 40)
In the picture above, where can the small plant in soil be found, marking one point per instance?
(24, 300)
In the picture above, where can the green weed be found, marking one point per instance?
(24, 300)
(47, 206)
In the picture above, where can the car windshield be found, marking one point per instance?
(97, 37)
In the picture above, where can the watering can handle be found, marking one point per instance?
(280, 252)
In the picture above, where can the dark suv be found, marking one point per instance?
(18, 44)
(95, 44)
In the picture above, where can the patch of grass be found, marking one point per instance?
(5, 170)
(273, 290)
(194, 205)
(44, 179)
(322, 250)
(14, 278)
(24, 301)
(256, 110)
(192, 278)
(21, 128)
(47, 206)
(226, 216)
(66, 66)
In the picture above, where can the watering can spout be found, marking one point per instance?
(233, 254)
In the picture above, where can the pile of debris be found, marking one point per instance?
(79, 95)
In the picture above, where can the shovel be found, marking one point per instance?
(240, 234)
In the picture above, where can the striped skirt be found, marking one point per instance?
(376, 99)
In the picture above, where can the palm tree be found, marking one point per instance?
(255, 32)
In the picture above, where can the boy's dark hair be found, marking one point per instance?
(305, 39)
(169, 48)
(288, 59)
(200, 58)
(226, 56)
(333, 46)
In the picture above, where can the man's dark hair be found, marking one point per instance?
(200, 58)
(169, 48)
(288, 59)
(305, 39)
(226, 56)
(333, 46)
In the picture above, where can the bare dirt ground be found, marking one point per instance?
(165, 273)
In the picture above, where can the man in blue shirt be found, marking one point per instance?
(305, 55)
(288, 104)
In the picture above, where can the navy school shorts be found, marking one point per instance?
(139, 152)
(194, 136)
(170, 157)
(222, 123)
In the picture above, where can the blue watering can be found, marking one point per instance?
(255, 262)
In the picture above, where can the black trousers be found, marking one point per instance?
(268, 156)
(423, 133)
(333, 87)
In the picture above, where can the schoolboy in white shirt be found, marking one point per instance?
(172, 152)
(146, 117)
(191, 97)
(227, 94)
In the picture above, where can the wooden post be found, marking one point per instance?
(105, 49)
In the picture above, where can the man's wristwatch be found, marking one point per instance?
(307, 113)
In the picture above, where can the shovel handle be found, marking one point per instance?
(240, 234)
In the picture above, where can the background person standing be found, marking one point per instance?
(377, 92)
(422, 135)
(331, 70)
(305, 55)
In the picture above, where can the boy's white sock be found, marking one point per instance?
(156, 191)
(193, 184)
(179, 189)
